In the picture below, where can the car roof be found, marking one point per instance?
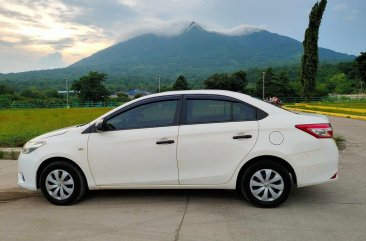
(233, 94)
(269, 108)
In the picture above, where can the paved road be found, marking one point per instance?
(333, 211)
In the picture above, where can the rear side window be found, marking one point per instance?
(242, 112)
(215, 111)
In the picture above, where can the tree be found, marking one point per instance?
(181, 83)
(235, 82)
(284, 85)
(4, 89)
(90, 88)
(122, 97)
(274, 84)
(361, 63)
(239, 81)
(33, 93)
(218, 81)
(310, 58)
(138, 95)
(50, 93)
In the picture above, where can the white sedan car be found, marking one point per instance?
(198, 139)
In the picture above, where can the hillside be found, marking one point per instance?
(199, 51)
(194, 52)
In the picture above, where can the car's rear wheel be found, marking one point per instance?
(62, 183)
(266, 184)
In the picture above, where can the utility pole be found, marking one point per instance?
(264, 74)
(67, 94)
(361, 85)
(159, 82)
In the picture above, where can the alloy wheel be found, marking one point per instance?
(266, 185)
(59, 184)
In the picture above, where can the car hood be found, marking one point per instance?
(54, 133)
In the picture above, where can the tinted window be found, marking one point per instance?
(149, 115)
(211, 111)
(242, 112)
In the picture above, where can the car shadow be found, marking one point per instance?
(162, 194)
(314, 194)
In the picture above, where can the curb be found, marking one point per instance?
(10, 149)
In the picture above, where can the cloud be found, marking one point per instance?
(77, 28)
(50, 61)
(41, 27)
(351, 16)
(340, 7)
(241, 30)
(31, 30)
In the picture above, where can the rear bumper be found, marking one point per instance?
(27, 171)
(318, 166)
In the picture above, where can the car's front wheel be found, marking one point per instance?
(266, 184)
(62, 183)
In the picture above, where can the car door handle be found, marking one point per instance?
(242, 137)
(165, 142)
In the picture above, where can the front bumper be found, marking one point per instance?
(27, 170)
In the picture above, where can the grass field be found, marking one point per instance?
(19, 126)
(351, 109)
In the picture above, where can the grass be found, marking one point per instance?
(344, 104)
(340, 141)
(19, 126)
(330, 110)
(352, 108)
(12, 155)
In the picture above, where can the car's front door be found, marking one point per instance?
(215, 135)
(138, 146)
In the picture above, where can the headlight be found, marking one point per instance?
(32, 145)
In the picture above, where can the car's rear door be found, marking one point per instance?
(216, 133)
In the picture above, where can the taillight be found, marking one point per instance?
(317, 130)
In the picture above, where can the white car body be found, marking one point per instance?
(202, 155)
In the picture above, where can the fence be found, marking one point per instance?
(285, 100)
(330, 98)
(17, 105)
(300, 99)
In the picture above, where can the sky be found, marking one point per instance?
(48, 34)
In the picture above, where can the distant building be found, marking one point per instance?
(64, 92)
(132, 93)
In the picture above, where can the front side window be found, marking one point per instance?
(215, 111)
(154, 114)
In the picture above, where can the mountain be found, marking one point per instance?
(193, 52)
(199, 51)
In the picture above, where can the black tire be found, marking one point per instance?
(258, 168)
(79, 183)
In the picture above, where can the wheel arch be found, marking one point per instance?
(279, 160)
(46, 162)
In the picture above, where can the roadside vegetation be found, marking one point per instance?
(308, 80)
(19, 126)
(9, 155)
(351, 109)
(340, 141)
(340, 78)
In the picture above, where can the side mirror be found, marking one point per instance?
(99, 125)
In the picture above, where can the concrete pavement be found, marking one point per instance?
(332, 211)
